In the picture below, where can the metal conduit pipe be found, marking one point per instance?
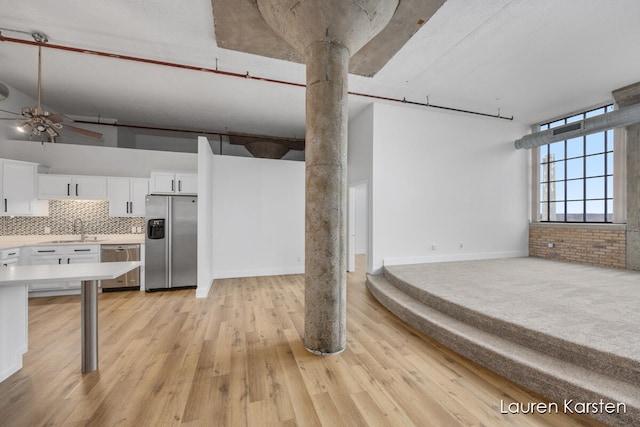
(230, 73)
(618, 118)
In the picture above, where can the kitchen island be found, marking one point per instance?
(14, 307)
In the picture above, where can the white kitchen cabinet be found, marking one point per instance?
(18, 187)
(174, 183)
(127, 196)
(60, 254)
(80, 187)
(9, 257)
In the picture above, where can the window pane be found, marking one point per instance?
(595, 165)
(575, 211)
(610, 210)
(543, 192)
(556, 123)
(556, 171)
(544, 127)
(610, 140)
(542, 214)
(556, 212)
(595, 143)
(575, 147)
(575, 189)
(575, 118)
(556, 150)
(609, 186)
(575, 168)
(544, 150)
(556, 191)
(610, 163)
(595, 210)
(595, 112)
(595, 188)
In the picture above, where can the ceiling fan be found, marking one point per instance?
(38, 121)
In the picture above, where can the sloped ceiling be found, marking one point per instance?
(530, 59)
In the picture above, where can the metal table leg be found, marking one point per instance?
(89, 325)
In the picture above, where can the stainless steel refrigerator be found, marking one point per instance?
(171, 249)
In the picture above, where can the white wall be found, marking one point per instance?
(360, 173)
(444, 186)
(205, 218)
(14, 102)
(362, 220)
(258, 217)
(88, 160)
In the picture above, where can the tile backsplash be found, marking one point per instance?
(93, 213)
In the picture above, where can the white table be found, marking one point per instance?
(19, 276)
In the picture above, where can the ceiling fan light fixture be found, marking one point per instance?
(41, 128)
(52, 133)
(23, 127)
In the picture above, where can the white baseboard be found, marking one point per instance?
(275, 271)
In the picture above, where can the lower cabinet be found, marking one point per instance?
(60, 254)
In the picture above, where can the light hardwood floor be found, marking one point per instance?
(236, 358)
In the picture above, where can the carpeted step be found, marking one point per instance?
(555, 378)
(622, 368)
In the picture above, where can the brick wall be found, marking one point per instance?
(595, 244)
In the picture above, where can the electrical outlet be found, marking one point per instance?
(139, 229)
(434, 247)
(550, 245)
(133, 229)
(47, 230)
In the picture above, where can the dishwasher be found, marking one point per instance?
(129, 281)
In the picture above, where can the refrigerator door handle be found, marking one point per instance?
(169, 237)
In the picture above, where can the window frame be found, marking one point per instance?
(544, 177)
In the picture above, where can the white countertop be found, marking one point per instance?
(21, 274)
(8, 242)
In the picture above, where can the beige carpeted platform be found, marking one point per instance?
(565, 330)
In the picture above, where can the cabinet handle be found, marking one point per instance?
(59, 260)
(82, 250)
(12, 253)
(77, 189)
(130, 207)
(173, 186)
(179, 186)
(42, 251)
(68, 189)
(5, 205)
(68, 260)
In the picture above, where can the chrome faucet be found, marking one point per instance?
(75, 229)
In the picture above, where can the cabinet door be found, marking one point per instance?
(90, 187)
(163, 183)
(187, 183)
(18, 186)
(47, 260)
(138, 192)
(118, 192)
(52, 187)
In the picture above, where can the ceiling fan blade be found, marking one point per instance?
(85, 132)
(10, 112)
(57, 118)
(9, 118)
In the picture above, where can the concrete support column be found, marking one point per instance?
(625, 97)
(326, 197)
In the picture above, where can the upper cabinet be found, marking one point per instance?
(173, 183)
(18, 187)
(81, 187)
(127, 196)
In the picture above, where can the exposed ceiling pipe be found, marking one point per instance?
(623, 117)
(232, 74)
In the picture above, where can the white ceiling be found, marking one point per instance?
(531, 59)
